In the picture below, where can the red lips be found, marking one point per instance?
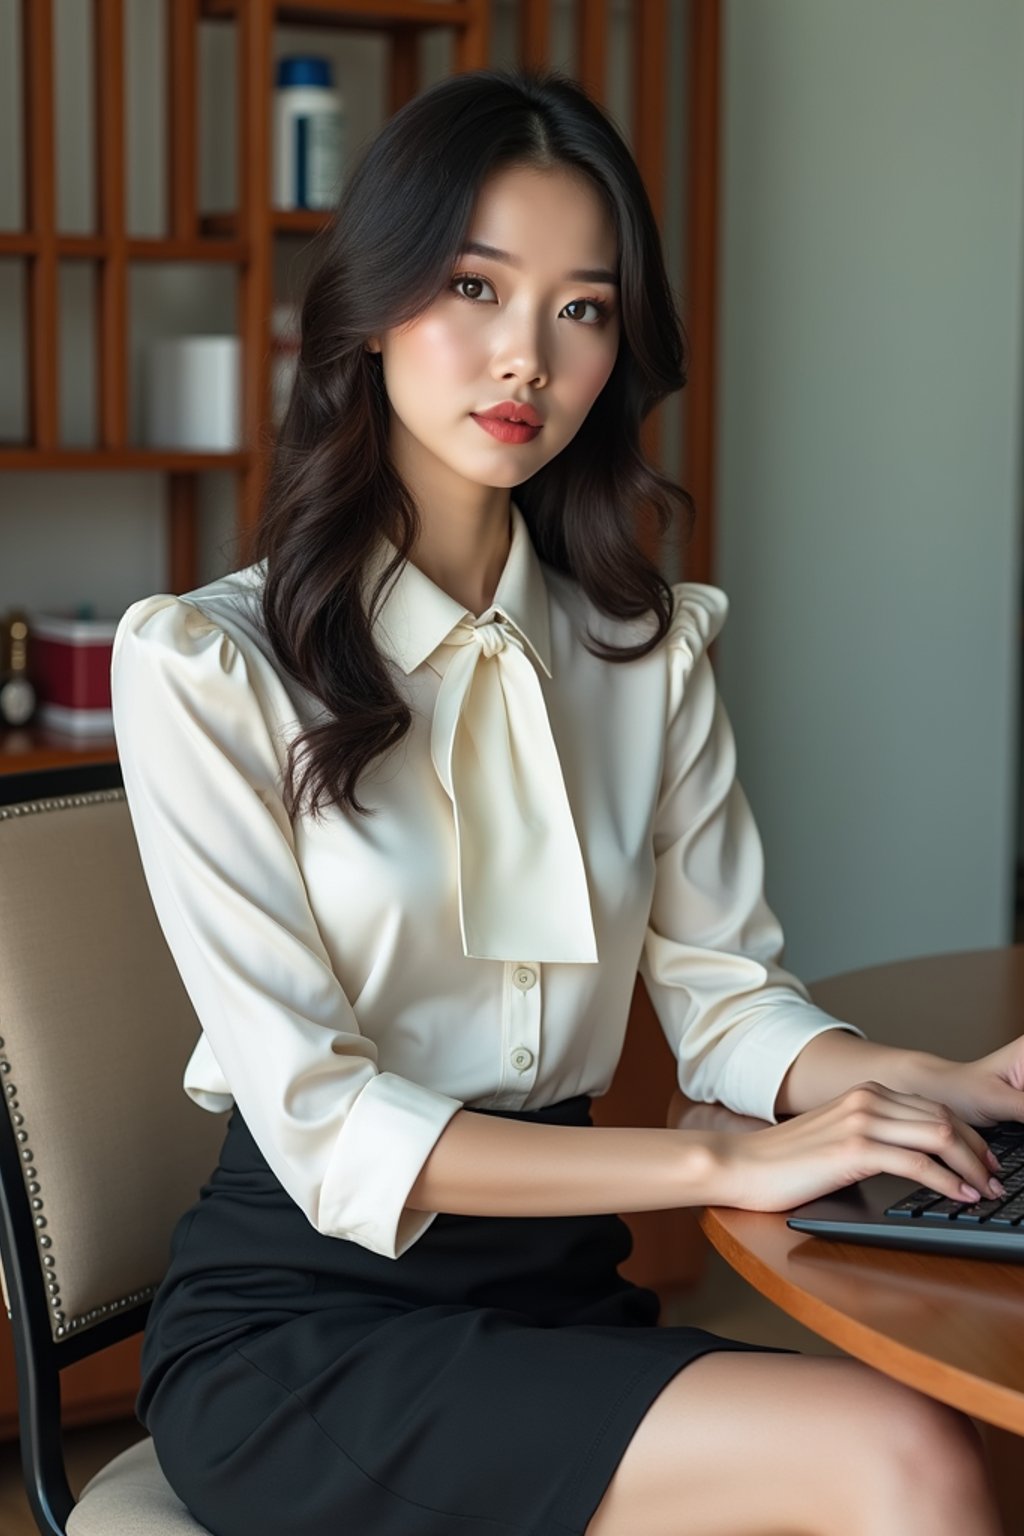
(508, 410)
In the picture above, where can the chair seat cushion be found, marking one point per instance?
(131, 1497)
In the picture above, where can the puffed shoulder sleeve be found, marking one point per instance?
(711, 957)
(194, 711)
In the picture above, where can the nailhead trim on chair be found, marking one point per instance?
(59, 803)
(60, 1323)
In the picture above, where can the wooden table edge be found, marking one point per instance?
(995, 1404)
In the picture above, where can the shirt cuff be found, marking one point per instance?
(754, 1073)
(388, 1134)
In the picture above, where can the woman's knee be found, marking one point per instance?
(921, 1446)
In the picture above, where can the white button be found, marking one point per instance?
(524, 977)
(521, 1058)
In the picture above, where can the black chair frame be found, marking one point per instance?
(39, 1357)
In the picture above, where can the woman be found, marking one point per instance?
(417, 794)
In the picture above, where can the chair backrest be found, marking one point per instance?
(100, 1148)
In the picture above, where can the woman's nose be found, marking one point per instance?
(522, 352)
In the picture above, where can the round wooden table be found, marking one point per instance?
(951, 1327)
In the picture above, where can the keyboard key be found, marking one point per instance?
(943, 1210)
(980, 1211)
(913, 1205)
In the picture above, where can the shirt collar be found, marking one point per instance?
(416, 615)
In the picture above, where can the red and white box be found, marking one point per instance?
(69, 663)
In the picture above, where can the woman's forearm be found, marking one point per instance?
(837, 1060)
(489, 1165)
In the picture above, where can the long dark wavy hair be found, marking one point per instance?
(332, 489)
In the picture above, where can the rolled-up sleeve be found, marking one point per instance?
(202, 766)
(735, 1019)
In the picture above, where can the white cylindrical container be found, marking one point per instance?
(309, 135)
(192, 393)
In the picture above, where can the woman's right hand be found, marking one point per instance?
(868, 1129)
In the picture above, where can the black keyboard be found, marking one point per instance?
(997, 1213)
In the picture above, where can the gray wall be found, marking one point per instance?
(869, 480)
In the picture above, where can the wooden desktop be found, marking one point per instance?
(951, 1327)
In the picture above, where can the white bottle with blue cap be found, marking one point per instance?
(309, 134)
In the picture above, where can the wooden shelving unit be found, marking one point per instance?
(245, 238)
(33, 746)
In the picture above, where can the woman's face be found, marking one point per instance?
(518, 327)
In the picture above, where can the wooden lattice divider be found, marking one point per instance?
(245, 239)
(40, 197)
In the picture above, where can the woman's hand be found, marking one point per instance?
(983, 1092)
(868, 1129)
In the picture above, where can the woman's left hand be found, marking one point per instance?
(981, 1092)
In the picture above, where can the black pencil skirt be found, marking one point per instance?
(485, 1383)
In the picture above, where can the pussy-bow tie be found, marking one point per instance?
(522, 882)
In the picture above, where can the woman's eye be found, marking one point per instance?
(578, 304)
(480, 281)
(602, 309)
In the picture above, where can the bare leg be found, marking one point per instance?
(797, 1445)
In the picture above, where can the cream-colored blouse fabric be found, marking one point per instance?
(550, 824)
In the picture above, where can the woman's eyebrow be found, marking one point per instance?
(579, 274)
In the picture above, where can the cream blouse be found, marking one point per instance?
(551, 824)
